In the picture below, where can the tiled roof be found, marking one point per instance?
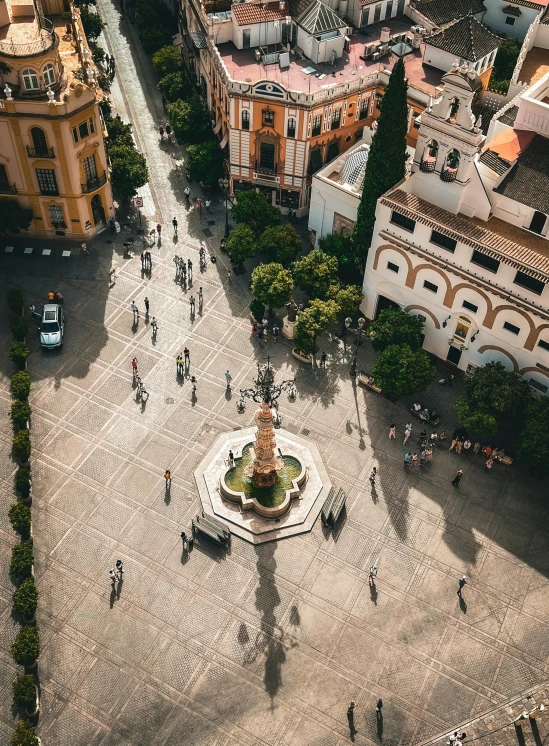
(319, 18)
(528, 253)
(528, 181)
(512, 10)
(441, 12)
(199, 39)
(247, 14)
(486, 112)
(509, 116)
(509, 144)
(529, 4)
(466, 38)
(493, 161)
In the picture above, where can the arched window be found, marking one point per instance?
(449, 172)
(429, 160)
(49, 75)
(39, 138)
(30, 80)
(245, 119)
(291, 127)
(454, 108)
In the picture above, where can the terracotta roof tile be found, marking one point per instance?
(441, 12)
(528, 180)
(250, 13)
(466, 38)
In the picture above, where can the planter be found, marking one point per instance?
(26, 500)
(36, 709)
(31, 666)
(302, 357)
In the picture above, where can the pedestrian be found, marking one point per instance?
(187, 357)
(164, 103)
(135, 310)
(373, 475)
(200, 297)
(489, 463)
(276, 332)
(254, 329)
(159, 231)
(112, 65)
(407, 459)
(379, 706)
(323, 359)
(476, 448)
(193, 381)
(113, 576)
(191, 303)
(413, 460)
(190, 269)
(228, 378)
(373, 575)
(459, 446)
(208, 204)
(442, 436)
(179, 364)
(260, 336)
(185, 541)
(229, 275)
(120, 567)
(107, 63)
(169, 132)
(433, 440)
(187, 193)
(161, 131)
(392, 431)
(134, 367)
(147, 305)
(351, 718)
(168, 478)
(154, 326)
(461, 582)
(457, 479)
(174, 223)
(407, 433)
(454, 444)
(84, 248)
(59, 298)
(231, 458)
(142, 260)
(466, 446)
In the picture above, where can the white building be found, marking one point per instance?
(463, 241)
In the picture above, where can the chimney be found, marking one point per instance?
(385, 35)
(282, 5)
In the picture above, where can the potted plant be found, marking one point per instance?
(257, 309)
(26, 694)
(22, 446)
(24, 735)
(19, 353)
(16, 300)
(19, 326)
(22, 560)
(20, 385)
(20, 518)
(26, 647)
(22, 483)
(25, 600)
(20, 412)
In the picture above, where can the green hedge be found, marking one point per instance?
(22, 481)
(22, 560)
(20, 385)
(22, 445)
(16, 300)
(20, 518)
(24, 735)
(26, 646)
(25, 599)
(20, 413)
(19, 327)
(24, 692)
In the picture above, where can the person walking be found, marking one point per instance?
(413, 460)
(200, 298)
(161, 132)
(407, 459)
(228, 378)
(174, 223)
(168, 478)
(154, 327)
(112, 66)
(179, 364)
(120, 567)
(187, 193)
(231, 458)
(135, 310)
(187, 357)
(461, 582)
(459, 446)
(476, 448)
(147, 304)
(454, 443)
(323, 359)
(466, 446)
(457, 479)
(276, 332)
(113, 576)
(392, 431)
(191, 303)
(373, 475)
(134, 367)
(159, 231)
(407, 433)
(107, 61)
(164, 103)
(373, 575)
(169, 132)
(190, 270)
(208, 203)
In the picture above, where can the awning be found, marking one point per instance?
(199, 39)
(217, 127)
(224, 141)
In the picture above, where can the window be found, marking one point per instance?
(56, 216)
(83, 130)
(336, 119)
(377, 13)
(401, 220)
(267, 156)
(39, 142)
(246, 37)
(469, 306)
(90, 169)
(245, 120)
(430, 286)
(510, 21)
(30, 80)
(492, 265)
(49, 75)
(537, 224)
(291, 127)
(363, 109)
(3, 176)
(315, 161)
(47, 181)
(511, 328)
(538, 386)
(365, 17)
(268, 117)
(525, 281)
(317, 125)
(543, 344)
(333, 151)
(445, 242)
(393, 267)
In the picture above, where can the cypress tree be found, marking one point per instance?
(386, 164)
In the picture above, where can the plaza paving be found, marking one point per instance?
(266, 644)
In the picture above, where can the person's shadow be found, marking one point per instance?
(112, 598)
(375, 498)
(193, 398)
(168, 493)
(462, 605)
(228, 394)
(135, 325)
(119, 586)
(351, 721)
(379, 724)
(373, 593)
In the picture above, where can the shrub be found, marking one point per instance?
(22, 481)
(20, 385)
(106, 108)
(257, 309)
(20, 413)
(18, 354)
(92, 23)
(272, 284)
(26, 646)
(20, 518)
(22, 560)
(24, 692)
(16, 300)
(22, 446)
(19, 326)
(98, 54)
(24, 735)
(104, 82)
(25, 599)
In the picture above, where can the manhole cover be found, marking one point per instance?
(207, 232)
(305, 431)
(170, 400)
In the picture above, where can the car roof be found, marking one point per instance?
(51, 307)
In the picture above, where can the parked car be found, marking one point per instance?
(52, 326)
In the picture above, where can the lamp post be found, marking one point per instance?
(224, 184)
(358, 332)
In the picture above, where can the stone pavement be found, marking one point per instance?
(268, 644)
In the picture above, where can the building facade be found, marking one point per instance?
(464, 241)
(52, 151)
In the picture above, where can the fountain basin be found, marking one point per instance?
(268, 502)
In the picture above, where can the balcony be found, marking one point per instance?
(40, 152)
(92, 184)
(448, 174)
(8, 189)
(49, 191)
(47, 39)
(265, 170)
(428, 164)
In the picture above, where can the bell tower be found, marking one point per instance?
(449, 138)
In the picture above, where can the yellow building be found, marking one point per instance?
(52, 151)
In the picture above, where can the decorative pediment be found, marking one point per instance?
(271, 90)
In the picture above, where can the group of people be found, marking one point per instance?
(183, 270)
(115, 573)
(168, 132)
(146, 261)
(54, 296)
(109, 65)
(424, 414)
(261, 331)
(142, 393)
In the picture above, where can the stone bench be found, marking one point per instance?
(216, 530)
(333, 507)
(363, 379)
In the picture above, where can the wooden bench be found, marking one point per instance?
(333, 507)
(363, 379)
(216, 530)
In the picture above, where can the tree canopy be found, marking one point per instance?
(343, 248)
(400, 370)
(119, 132)
(312, 322)
(129, 170)
(534, 439)
(395, 327)
(190, 120)
(241, 244)
(174, 86)
(280, 243)
(205, 162)
(272, 284)
(252, 208)
(13, 217)
(166, 60)
(386, 164)
(315, 273)
(92, 23)
(348, 299)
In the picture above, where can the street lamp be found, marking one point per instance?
(224, 184)
(358, 332)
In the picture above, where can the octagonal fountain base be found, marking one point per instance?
(303, 509)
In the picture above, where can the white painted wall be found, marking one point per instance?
(495, 19)
(261, 34)
(326, 199)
